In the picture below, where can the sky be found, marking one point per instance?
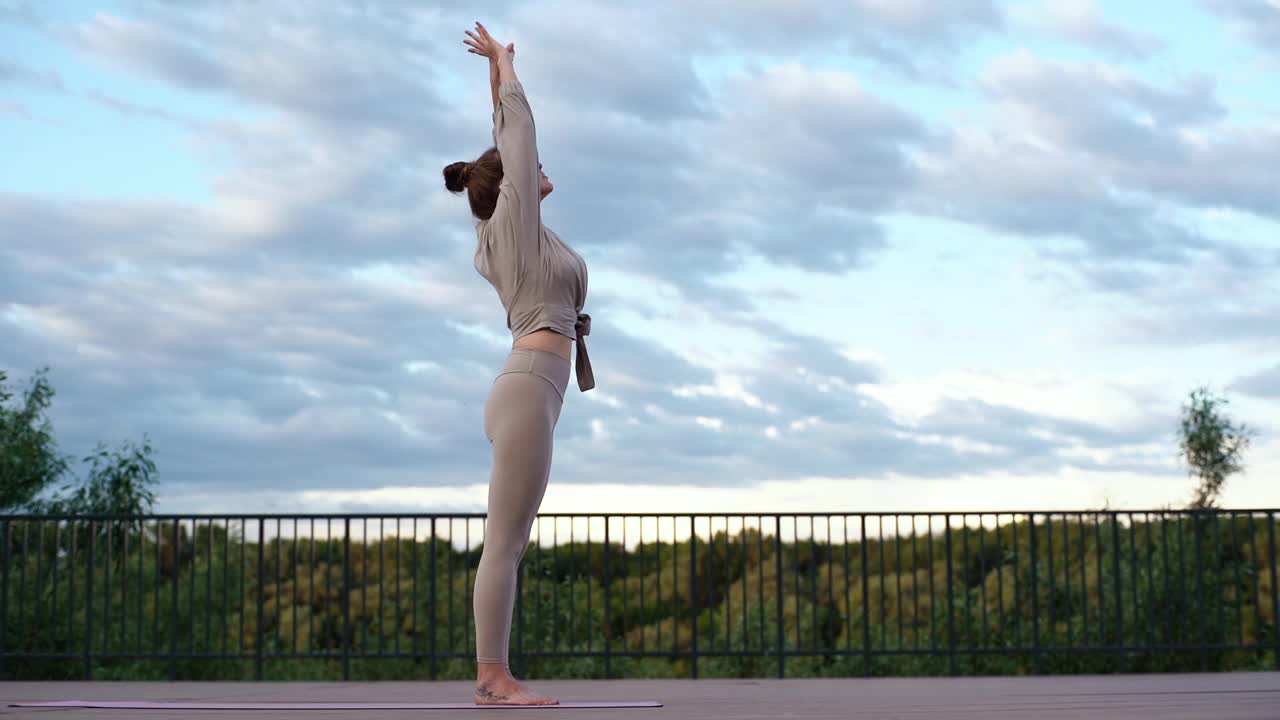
(862, 256)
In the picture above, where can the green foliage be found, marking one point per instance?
(29, 459)
(1211, 444)
(120, 482)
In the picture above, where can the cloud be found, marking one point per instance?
(1262, 384)
(1081, 21)
(907, 38)
(16, 109)
(17, 12)
(1255, 20)
(23, 75)
(1089, 153)
(337, 68)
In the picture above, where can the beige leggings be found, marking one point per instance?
(520, 417)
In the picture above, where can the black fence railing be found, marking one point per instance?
(642, 595)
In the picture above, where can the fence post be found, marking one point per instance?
(777, 558)
(4, 594)
(1197, 525)
(88, 610)
(432, 624)
(951, 614)
(1035, 598)
(173, 607)
(1275, 592)
(262, 606)
(346, 599)
(866, 600)
(693, 591)
(608, 630)
(1115, 569)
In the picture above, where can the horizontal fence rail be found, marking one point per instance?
(642, 595)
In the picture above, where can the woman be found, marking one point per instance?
(542, 285)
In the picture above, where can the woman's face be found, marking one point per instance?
(544, 185)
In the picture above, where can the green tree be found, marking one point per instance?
(120, 481)
(29, 457)
(1211, 444)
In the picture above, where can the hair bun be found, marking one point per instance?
(456, 175)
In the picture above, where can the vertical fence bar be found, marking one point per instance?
(106, 589)
(746, 633)
(432, 619)
(999, 539)
(244, 542)
(37, 604)
(1084, 583)
(915, 583)
(848, 601)
(22, 576)
(866, 599)
(71, 564)
(1017, 583)
(951, 614)
(396, 625)
(1237, 553)
(258, 649)
(555, 596)
(884, 629)
(1052, 574)
(759, 581)
(693, 591)
(88, 608)
(1035, 597)
(643, 569)
(933, 587)
(226, 569)
(364, 586)
(1275, 591)
(1133, 576)
(982, 576)
(191, 583)
(1196, 527)
(813, 586)
(173, 606)
(897, 546)
(346, 599)
(4, 593)
(1122, 659)
(608, 599)
(777, 561)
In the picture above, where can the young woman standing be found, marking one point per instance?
(542, 284)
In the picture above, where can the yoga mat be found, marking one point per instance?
(145, 705)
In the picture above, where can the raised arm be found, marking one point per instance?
(495, 77)
(513, 127)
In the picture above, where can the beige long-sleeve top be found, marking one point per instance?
(540, 280)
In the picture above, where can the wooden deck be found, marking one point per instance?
(1113, 697)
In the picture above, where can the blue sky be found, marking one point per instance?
(904, 256)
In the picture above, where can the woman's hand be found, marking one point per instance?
(481, 42)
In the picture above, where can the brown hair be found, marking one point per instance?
(480, 179)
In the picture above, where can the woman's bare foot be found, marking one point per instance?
(496, 686)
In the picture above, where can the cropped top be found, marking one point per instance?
(540, 280)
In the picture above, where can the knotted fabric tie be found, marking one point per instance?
(582, 362)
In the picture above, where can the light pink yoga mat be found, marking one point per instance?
(144, 705)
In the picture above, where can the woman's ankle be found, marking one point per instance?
(493, 669)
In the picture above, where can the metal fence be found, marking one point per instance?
(622, 595)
